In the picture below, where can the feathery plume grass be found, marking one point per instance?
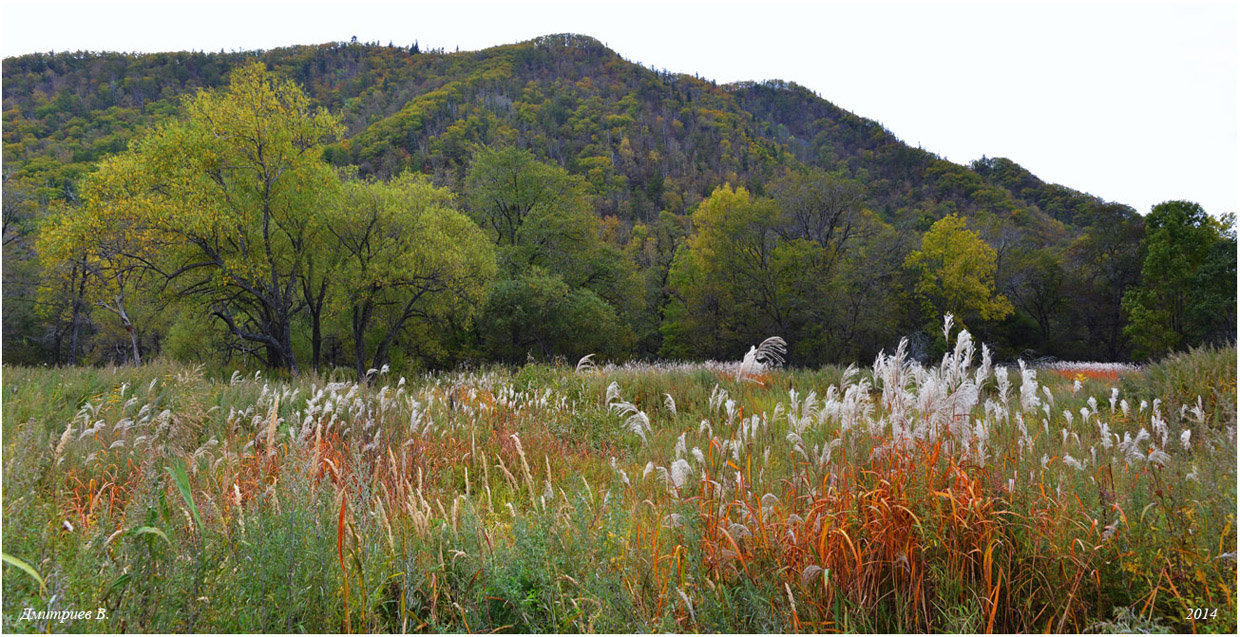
(865, 499)
(273, 419)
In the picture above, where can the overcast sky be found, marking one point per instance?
(1133, 102)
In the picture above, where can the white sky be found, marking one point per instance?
(1133, 102)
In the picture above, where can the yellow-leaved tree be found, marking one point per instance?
(98, 259)
(955, 272)
(229, 204)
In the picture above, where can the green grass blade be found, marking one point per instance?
(150, 530)
(19, 563)
(181, 479)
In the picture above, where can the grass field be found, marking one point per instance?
(959, 497)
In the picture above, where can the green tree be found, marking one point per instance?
(229, 198)
(652, 247)
(820, 207)
(811, 265)
(541, 219)
(102, 255)
(731, 280)
(1100, 266)
(507, 188)
(1188, 279)
(63, 286)
(863, 308)
(41, 307)
(537, 312)
(406, 255)
(842, 253)
(955, 272)
(1036, 285)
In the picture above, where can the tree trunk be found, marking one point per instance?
(73, 338)
(58, 341)
(361, 319)
(133, 340)
(316, 341)
(381, 352)
(314, 303)
(286, 346)
(275, 336)
(128, 325)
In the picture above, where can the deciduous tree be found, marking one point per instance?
(405, 255)
(1188, 279)
(955, 272)
(547, 237)
(231, 198)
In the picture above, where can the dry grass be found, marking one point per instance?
(671, 497)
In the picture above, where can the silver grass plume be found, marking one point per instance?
(680, 472)
(771, 351)
(768, 354)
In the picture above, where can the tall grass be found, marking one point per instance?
(601, 498)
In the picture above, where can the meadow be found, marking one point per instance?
(956, 497)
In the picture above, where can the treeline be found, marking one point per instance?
(547, 199)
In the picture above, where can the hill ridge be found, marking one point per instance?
(648, 145)
(360, 127)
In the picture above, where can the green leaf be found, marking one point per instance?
(29, 570)
(120, 582)
(145, 530)
(181, 479)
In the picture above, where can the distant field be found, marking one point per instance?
(684, 498)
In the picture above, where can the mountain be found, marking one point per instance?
(646, 142)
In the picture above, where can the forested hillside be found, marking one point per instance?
(543, 199)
